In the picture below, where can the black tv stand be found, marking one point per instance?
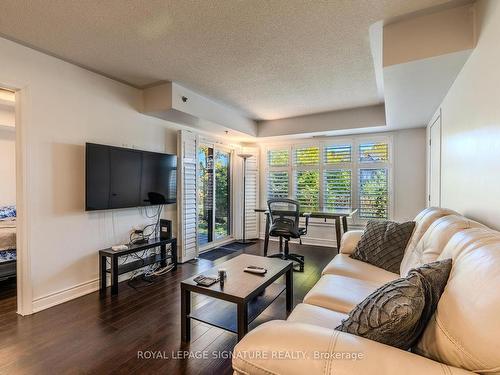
(116, 269)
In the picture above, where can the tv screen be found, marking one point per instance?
(120, 177)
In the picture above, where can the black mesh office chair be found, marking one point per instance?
(284, 215)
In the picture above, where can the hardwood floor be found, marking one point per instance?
(103, 335)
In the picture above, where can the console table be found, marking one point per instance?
(117, 269)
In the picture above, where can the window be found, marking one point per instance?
(277, 185)
(373, 152)
(337, 189)
(330, 175)
(277, 178)
(373, 193)
(337, 176)
(307, 189)
(306, 176)
(278, 158)
(373, 180)
(337, 154)
(306, 156)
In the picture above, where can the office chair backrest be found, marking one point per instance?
(284, 210)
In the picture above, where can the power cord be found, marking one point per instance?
(142, 234)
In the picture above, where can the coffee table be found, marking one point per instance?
(242, 297)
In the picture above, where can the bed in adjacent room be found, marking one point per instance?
(8, 254)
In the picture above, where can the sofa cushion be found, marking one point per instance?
(423, 221)
(396, 313)
(340, 293)
(315, 315)
(344, 265)
(349, 241)
(383, 244)
(434, 240)
(465, 329)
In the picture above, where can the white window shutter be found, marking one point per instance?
(252, 195)
(187, 197)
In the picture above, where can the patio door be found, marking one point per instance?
(214, 194)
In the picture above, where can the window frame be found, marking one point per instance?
(354, 166)
(269, 168)
(295, 168)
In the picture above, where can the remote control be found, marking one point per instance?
(119, 247)
(255, 270)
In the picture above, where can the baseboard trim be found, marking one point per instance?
(65, 295)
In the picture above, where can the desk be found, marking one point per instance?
(337, 215)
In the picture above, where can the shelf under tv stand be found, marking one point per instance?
(117, 269)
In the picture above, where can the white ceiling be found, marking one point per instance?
(269, 59)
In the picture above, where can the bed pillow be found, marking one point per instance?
(7, 212)
(397, 313)
(383, 244)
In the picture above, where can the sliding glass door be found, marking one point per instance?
(214, 194)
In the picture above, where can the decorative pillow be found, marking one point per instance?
(397, 312)
(383, 244)
(7, 211)
(436, 276)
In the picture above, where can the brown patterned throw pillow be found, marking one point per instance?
(383, 244)
(397, 313)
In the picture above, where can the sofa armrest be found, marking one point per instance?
(280, 347)
(349, 241)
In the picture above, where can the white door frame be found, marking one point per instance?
(436, 120)
(215, 243)
(23, 220)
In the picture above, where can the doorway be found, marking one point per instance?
(214, 195)
(435, 163)
(8, 212)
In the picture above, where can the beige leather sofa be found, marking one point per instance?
(462, 336)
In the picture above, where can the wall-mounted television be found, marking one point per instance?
(117, 177)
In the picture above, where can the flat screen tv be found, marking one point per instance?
(118, 177)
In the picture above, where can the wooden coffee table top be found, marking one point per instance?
(239, 285)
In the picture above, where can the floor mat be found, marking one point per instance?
(218, 253)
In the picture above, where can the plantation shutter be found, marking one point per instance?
(373, 180)
(337, 176)
(307, 189)
(277, 184)
(277, 176)
(373, 193)
(304, 156)
(252, 195)
(306, 176)
(337, 187)
(337, 154)
(373, 152)
(187, 196)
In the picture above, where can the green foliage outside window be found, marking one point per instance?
(308, 189)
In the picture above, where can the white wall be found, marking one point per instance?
(471, 127)
(409, 183)
(64, 107)
(7, 166)
(362, 117)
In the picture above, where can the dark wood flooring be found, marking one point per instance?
(96, 335)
